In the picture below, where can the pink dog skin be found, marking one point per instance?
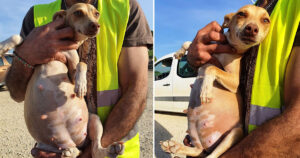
(52, 114)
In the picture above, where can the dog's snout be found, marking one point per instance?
(94, 26)
(251, 29)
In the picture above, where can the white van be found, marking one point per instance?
(173, 78)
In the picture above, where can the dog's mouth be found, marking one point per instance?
(89, 33)
(248, 39)
(92, 33)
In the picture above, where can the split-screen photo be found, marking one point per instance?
(149, 79)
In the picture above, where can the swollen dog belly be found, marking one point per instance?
(53, 114)
(210, 122)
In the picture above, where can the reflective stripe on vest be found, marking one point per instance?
(272, 57)
(114, 16)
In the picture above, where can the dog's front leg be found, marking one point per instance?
(80, 79)
(209, 77)
(72, 61)
(229, 80)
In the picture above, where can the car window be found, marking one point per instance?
(163, 68)
(184, 70)
(1, 62)
(9, 58)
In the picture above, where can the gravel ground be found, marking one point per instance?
(16, 142)
(168, 126)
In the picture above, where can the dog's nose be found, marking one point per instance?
(251, 29)
(94, 26)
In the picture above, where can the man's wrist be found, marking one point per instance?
(23, 61)
(19, 51)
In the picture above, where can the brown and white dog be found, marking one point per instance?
(214, 113)
(55, 117)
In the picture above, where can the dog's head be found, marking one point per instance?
(246, 28)
(83, 18)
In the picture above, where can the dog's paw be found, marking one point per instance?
(80, 85)
(70, 153)
(115, 149)
(206, 89)
(170, 146)
(111, 151)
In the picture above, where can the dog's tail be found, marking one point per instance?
(180, 53)
(10, 43)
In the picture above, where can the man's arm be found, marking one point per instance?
(133, 76)
(279, 137)
(42, 45)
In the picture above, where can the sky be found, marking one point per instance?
(177, 21)
(12, 13)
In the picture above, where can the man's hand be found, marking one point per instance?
(42, 45)
(208, 40)
(36, 153)
(45, 43)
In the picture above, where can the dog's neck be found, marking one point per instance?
(79, 38)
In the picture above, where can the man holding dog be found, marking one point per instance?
(269, 83)
(116, 84)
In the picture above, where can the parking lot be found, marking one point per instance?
(168, 126)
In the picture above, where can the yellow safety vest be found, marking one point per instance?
(267, 99)
(114, 16)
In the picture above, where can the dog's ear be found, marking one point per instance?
(227, 19)
(59, 14)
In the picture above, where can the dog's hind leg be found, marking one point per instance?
(10, 43)
(233, 137)
(173, 147)
(95, 130)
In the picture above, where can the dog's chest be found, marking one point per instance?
(230, 62)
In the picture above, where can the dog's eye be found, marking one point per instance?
(241, 14)
(78, 13)
(266, 20)
(96, 14)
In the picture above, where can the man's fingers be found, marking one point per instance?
(64, 33)
(57, 23)
(213, 36)
(220, 48)
(66, 45)
(213, 26)
(36, 153)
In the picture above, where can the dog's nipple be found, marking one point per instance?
(41, 87)
(44, 117)
(73, 96)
